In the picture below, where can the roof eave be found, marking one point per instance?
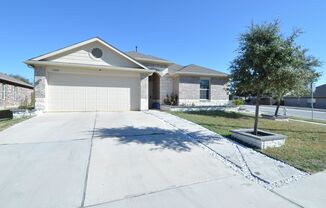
(17, 83)
(200, 74)
(75, 65)
(153, 61)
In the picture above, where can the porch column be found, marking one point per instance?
(40, 88)
(143, 92)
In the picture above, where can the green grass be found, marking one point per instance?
(6, 123)
(305, 147)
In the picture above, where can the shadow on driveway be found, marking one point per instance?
(176, 140)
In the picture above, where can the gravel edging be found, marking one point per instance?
(244, 170)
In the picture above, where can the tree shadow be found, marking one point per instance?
(176, 140)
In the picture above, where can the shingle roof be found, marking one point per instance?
(176, 68)
(192, 68)
(137, 55)
(11, 79)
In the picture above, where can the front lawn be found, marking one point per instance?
(305, 147)
(5, 123)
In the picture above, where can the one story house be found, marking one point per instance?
(95, 76)
(305, 101)
(14, 92)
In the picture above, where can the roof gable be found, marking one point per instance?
(80, 53)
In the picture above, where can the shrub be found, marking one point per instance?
(238, 102)
(171, 100)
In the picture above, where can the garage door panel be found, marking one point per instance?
(80, 98)
(55, 100)
(76, 92)
(102, 100)
(90, 99)
(120, 99)
(68, 99)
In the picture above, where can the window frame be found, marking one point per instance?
(204, 89)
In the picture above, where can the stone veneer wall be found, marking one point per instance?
(219, 89)
(189, 92)
(166, 87)
(15, 96)
(40, 83)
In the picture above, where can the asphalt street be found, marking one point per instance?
(290, 111)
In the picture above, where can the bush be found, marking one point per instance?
(5, 114)
(238, 102)
(26, 104)
(171, 100)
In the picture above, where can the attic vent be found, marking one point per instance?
(97, 53)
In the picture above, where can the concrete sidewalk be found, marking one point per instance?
(309, 192)
(252, 164)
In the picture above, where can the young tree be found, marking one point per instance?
(262, 55)
(295, 79)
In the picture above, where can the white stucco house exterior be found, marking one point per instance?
(95, 76)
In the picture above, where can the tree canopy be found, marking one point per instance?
(270, 63)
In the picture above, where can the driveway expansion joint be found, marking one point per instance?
(88, 163)
(160, 190)
(287, 199)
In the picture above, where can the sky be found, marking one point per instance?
(201, 32)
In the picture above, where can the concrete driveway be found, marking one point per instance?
(126, 159)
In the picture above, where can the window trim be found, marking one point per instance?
(209, 89)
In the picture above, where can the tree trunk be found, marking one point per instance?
(257, 112)
(278, 107)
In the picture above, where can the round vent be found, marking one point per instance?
(97, 53)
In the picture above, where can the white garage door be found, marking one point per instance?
(83, 92)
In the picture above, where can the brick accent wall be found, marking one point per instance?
(166, 87)
(189, 88)
(14, 95)
(189, 91)
(218, 89)
(176, 86)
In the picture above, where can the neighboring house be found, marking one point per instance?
(14, 92)
(304, 101)
(95, 76)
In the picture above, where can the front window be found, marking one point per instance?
(204, 89)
